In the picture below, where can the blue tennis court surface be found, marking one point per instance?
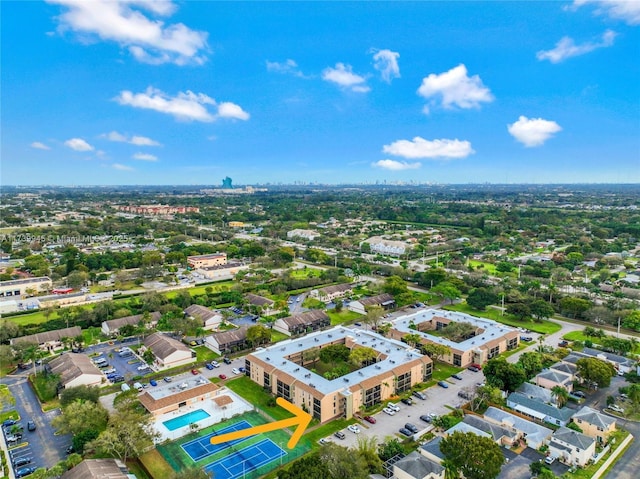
(242, 462)
(202, 447)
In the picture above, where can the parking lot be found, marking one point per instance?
(127, 367)
(436, 402)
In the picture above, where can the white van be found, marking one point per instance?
(125, 387)
(138, 386)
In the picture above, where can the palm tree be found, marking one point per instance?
(32, 353)
(560, 394)
(450, 469)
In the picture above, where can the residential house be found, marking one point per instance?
(534, 434)
(209, 319)
(99, 469)
(228, 341)
(302, 323)
(416, 466)
(188, 393)
(540, 411)
(594, 424)
(384, 300)
(112, 327)
(379, 245)
(572, 447)
(431, 450)
(566, 368)
(536, 392)
(552, 378)
(168, 352)
(502, 435)
(330, 293)
(621, 363)
(265, 304)
(49, 341)
(76, 370)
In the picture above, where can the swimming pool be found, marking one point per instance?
(186, 419)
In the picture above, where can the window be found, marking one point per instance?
(247, 366)
(403, 382)
(427, 370)
(493, 352)
(457, 360)
(267, 380)
(317, 411)
(283, 390)
(372, 396)
(512, 343)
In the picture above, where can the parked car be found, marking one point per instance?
(388, 411)
(370, 419)
(209, 366)
(443, 384)
(476, 365)
(550, 459)
(406, 401)
(419, 395)
(69, 449)
(167, 379)
(353, 428)
(473, 368)
(195, 372)
(339, 434)
(426, 418)
(405, 431)
(411, 427)
(21, 461)
(324, 441)
(456, 376)
(357, 324)
(235, 371)
(143, 367)
(226, 360)
(222, 376)
(110, 371)
(31, 426)
(563, 344)
(616, 408)
(9, 422)
(242, 370)
(393, 407)
(215, 364)
(25, 471)
(153, 382)
(464, 395)
(526, 338)
(579, 394)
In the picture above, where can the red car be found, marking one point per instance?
(195, 372)
(222, 376)
(370, 419)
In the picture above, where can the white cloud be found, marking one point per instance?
(626, 10)
(343, 76)
(533, 131)
(386, 62)
(289, 67)
(231, 110)
(419, 148)
(455, 88)
(78, 144)
(39, 146)
(121, 167)
(396, 165)
(144, 157)
(187, 106)
(566, 48)
(149, 40)
(134, 140)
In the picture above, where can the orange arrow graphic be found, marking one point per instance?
(300, 419)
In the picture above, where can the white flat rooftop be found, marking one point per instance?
(492, 329)
(397, 353)
(178, 384)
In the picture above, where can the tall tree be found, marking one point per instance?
(362, 356)
(594, 370)
(374, 316)
(476, 457)
(342, 463)
(480, 298)
(395, 285)
(412, 339)
(531, 363)
(258, 334)
(560, 394)
(367, 449)
(447, 291)
(504, 375)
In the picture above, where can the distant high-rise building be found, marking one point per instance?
(226, 183)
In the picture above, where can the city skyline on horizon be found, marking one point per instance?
(352, 93)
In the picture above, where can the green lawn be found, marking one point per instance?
(489, 268)
(305, 273)
(580, 336)
(327, 429)
(344, 316)
(156, 465)
(202, 289)
(257, 396)
(443, 370)
(544, 327)
(204, 354)
(588, 472)
(277, 336)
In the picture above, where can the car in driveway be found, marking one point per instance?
(443, 384)
(25, 471)
(388, 411)
(223, 376)
(456, 376)
(370, 419)
(579, 394)
(405, 431)
(353, 428)
(339, 434)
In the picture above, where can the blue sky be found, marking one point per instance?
(160, 92)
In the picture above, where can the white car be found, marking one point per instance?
(388, 411)
(215, 364)
(143, 367)
(616, 408)
(354, 429)
(393, 407)
(110, 371)
(235, 371)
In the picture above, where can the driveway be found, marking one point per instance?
(44, 447)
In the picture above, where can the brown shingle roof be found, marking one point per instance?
(152, 404)
(222, 400)
(163, 346)
(336, 288)
(48, 336)
(71, 366)
(233, 336)
(258, 300)
(134, 320)
(97, 469)
(305, 319)
(376, 300)
(196, 310)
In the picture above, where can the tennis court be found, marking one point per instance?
(202, 447)
(243, 461)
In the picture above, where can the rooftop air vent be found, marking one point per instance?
(284, 362)
(268, 358)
